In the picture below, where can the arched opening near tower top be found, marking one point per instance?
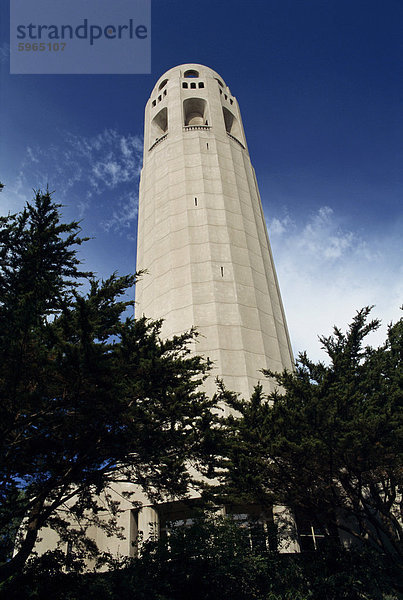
(159, 124)
(191, 73)
(231, 123)
(195, 111)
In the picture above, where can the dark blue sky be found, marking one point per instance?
(319, 85)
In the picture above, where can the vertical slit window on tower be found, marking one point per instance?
(222, 271)
(207, 145)
(159, 98)
(165, 93)
(195, 201)
(154, 102)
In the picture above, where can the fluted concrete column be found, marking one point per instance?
(148, 524)
(286, 529)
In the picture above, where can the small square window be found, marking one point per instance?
(201, 84)
(193, 86)
(185, 85)
(154, 102)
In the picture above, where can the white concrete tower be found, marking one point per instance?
(201, 231)
(203, 239)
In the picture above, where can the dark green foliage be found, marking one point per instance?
(331, 444)
(88, 395)
(213, 560)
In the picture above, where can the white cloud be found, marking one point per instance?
(31, 155)
(327, 272)
(124, 216)
(111, 159)
(83, 206)
(84, 171)
(279, 226)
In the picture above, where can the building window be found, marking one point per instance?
(191, 73)
(195, 111)
(219, 82)
(222, 271)
(231, 123)
(162, 84)
(185, 85)
(201, 84)
(159, 125)
(177, 514)
(231, 101)
(193, 86)
(165, 92)
(310, 534)
(257, 522)
(195, 201)
(154, 102)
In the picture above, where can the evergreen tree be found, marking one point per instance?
(88, 395)
(329, 443)
(213, 558)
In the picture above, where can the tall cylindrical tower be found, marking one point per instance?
(202, 237)
(201, 231)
